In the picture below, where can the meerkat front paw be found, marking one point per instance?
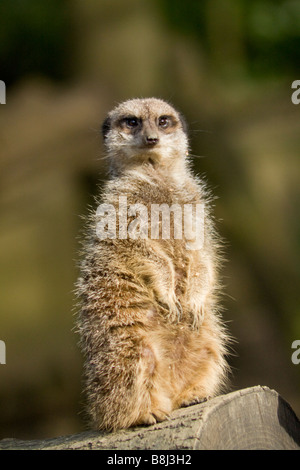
(198, 317)
(173, 310)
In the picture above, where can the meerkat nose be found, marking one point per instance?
(151, 140)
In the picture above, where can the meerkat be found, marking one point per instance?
(150, 325)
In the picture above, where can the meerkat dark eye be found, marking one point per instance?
(132, 122)
(164, 121)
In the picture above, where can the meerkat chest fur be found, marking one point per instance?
(149, 325)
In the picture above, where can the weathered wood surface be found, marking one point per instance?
(252, 418)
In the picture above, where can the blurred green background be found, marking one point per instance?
(228, 66)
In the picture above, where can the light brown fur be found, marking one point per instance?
(149, 324)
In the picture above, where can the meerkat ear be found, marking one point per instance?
(106, 127)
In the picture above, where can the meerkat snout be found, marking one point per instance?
(150, 134)
(151, 141)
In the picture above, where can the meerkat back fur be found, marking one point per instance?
(149, 324)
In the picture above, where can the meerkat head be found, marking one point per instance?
(144, 131)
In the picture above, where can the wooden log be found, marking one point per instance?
(252, 418)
